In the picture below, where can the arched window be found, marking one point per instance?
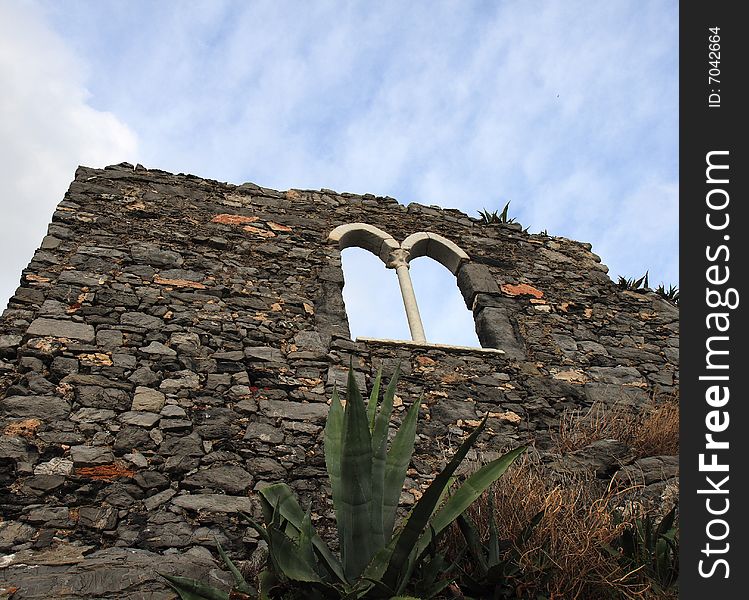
(397, 256)
(372, 297)
(443, 309)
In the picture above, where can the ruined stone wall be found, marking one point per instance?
(175, 340)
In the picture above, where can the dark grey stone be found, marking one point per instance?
(97, 517)
(220, 503)
(262, 432)
(495, 330)
(46, 408)
(263, 353)
(157, 349)
(475, 279)
(267, 467)
(229, 478)
(137, 319)
(64, 329)
(13, 533)
(63, 365)
(153, 255)
(144, 376)
(91, 455)
(297, 411)
(109, 339)
(649, 470)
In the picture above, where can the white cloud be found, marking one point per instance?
(568, 109)
(47, 129)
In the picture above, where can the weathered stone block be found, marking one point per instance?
(148, 399)
(64, 329)
(47, 408)
(474, 278)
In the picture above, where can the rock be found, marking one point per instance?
(50, 516)
(181, 380)
(92, 415)
(153, 255)
(63, 329)
(268, 467)
(140, 418)
(63, 365)
(215, 423)
(173, 411)
(449, 411)
(475, 279)
(131, 438)
(151, 479)
(105, 398)
(111, 573)
(144, 376)
(97, 517)
(229, 478)
(263, 353)
(9, 342)
(157, 349)
(297, 411)
(148, 399)
(13, 533)
(602, 458)
(136, 319)
(649, 470)
(214, 503)
(47, 408)
(617, 375)
(109, 339)
(169, 535)
(158, 499)
(613, 394)
(91, 455)
(55, 466)
(261, 432)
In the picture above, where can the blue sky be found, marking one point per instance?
(567, 109)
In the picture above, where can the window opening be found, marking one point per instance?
(443, 309)
(372, 297)
(397, 256)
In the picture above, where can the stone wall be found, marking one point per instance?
(175, 340)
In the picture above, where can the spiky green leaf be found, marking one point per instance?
(192, 589)
(280, 494)
(354, 518)
(240, 584)
(469, 491)
(288, 559)
(398, 459)
(422, 511)
(374, 398)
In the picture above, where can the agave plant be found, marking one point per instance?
(496, 563)
(653, 548)
(671, 293)
(495, 216)
(375, 559)
(633, 284)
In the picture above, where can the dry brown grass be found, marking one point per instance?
(651, 430)
(564, 557)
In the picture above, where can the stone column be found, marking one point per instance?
(398, 262)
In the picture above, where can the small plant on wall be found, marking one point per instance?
(496, 217)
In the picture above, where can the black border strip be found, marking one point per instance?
(713, 124)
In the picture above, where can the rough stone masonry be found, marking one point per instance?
(174, 343)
